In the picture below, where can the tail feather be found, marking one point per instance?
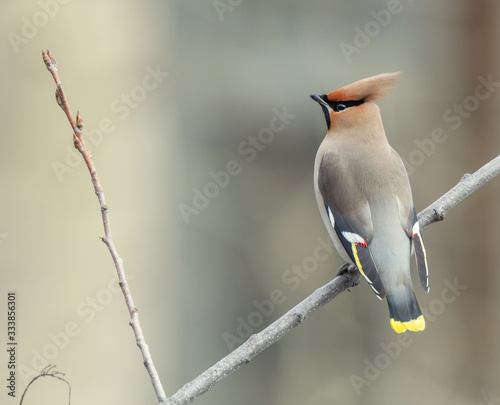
(404, 310)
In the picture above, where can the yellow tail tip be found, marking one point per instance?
(415, 325)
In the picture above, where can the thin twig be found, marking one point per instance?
(345, 279)
(76, 125)
(48, 371)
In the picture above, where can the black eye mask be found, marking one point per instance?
(339, 106)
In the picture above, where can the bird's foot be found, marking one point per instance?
(351, 272)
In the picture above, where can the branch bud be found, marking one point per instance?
(59, 98)
(79, 120)
(48, 59)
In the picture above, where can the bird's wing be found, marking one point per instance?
(349, 214)
(409, 222)
(412, 229)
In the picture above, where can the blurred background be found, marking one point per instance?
(204, 136)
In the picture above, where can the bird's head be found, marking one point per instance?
(351, 106)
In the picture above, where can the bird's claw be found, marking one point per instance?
(351, 272)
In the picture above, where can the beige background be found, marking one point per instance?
(193, 281)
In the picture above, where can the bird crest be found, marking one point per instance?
(369, 89)
(354, 95)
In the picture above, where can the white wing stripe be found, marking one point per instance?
(352, 237)
(416, 228)
(330, 215)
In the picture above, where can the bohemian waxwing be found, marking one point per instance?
(365, 200)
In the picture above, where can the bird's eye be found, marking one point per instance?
(341, 107)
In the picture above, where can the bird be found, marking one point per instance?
(365, 200)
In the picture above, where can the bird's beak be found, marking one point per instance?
(320, 98)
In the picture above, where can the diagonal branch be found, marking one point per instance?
(348, 277)
(77, 125)
(465, 187)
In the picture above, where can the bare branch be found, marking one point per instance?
(348, 277)
(465, 187)
(77, 125)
